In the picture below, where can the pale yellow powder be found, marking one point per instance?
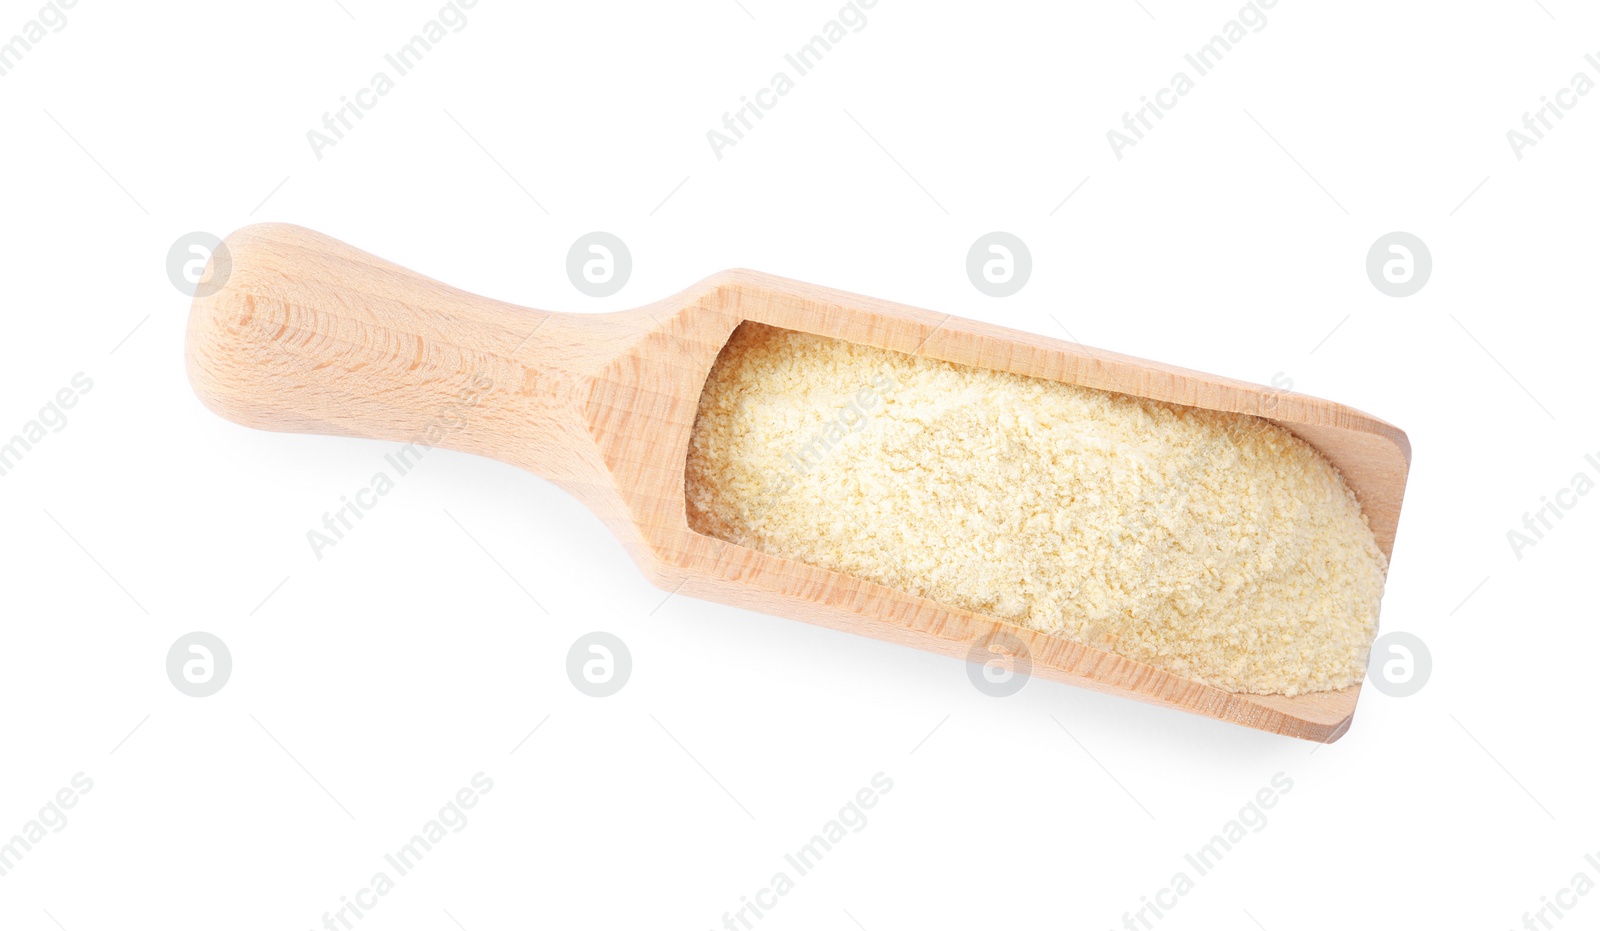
(1219, 547)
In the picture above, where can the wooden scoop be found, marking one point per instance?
(309, 335)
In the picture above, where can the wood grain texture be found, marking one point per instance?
(310, 335)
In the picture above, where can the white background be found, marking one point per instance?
(370, 685)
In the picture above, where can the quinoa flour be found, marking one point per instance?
(1219, 547)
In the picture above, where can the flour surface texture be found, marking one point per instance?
(1219, 547)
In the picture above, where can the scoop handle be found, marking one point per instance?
(294, 331)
